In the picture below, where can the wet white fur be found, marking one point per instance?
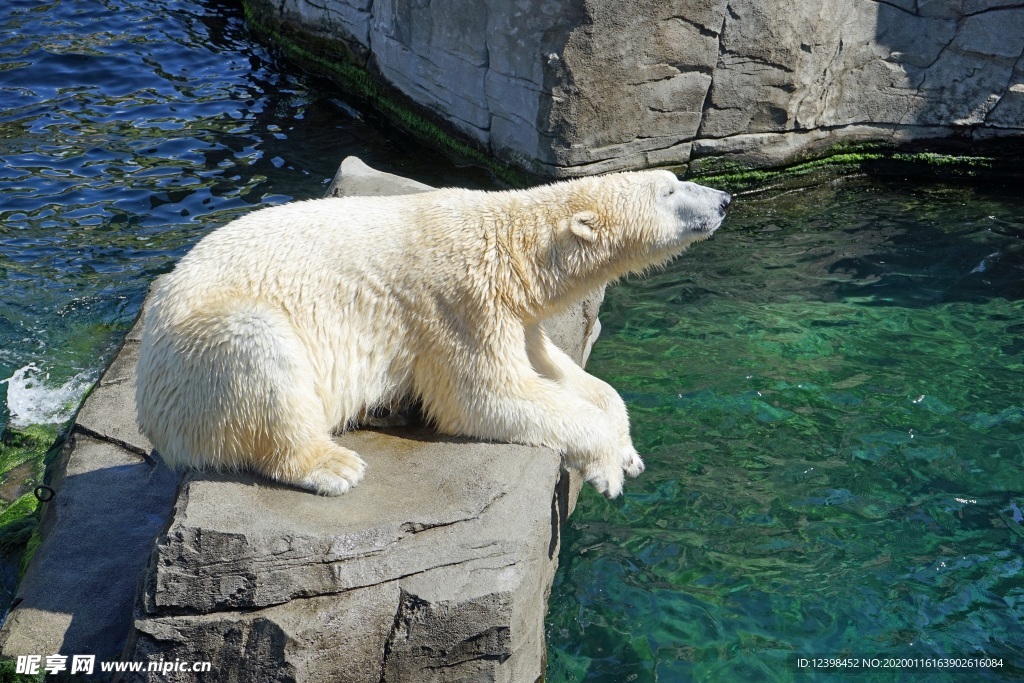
(285, 325)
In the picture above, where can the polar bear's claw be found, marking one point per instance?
(631, 463)
(608, 482)
(325, 483)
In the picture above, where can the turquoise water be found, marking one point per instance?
(829, 396)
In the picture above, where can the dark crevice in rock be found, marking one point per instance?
(925, 70)
(993, 9)
(701, 28)
(827, 79)
(680, 68)
(740, 59)
(705, 69)
(419, 527)
(559, 511)
(707, 105)
(167, 609)
(93, 434)
(912, 13)
(500, 659)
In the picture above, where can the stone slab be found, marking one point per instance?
(355, 179)
(76, 596)
(427, 501)
(109, 412)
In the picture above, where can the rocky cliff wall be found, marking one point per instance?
(588, 86)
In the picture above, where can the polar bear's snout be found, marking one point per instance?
(723, 199)
(719, 203)
(698, 210)
(713, 200)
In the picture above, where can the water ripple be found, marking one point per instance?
(828, 402)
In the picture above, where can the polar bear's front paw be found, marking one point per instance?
(336, 474)
(631, 462)
(607, 480)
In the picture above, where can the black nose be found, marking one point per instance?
(725, 201)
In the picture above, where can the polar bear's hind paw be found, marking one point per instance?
(334, 473)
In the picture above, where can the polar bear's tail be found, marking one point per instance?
(229, 386)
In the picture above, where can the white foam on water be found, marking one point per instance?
(32, 399)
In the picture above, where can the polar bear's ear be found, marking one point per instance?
(582, 225)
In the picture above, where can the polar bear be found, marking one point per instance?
(287, 324)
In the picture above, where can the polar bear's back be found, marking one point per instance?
(279, 245)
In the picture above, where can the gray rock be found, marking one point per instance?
(561, 89)
(356, 179)
(109, 413)
(76, 595)
(325, 638)
(239, 542)
(437, 567)
(441, 559)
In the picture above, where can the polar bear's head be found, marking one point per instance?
(632, 221)
(688, 212)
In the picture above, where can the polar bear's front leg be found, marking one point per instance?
(504, 399)
(553, 363)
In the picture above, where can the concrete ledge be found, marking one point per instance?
(436, 568)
